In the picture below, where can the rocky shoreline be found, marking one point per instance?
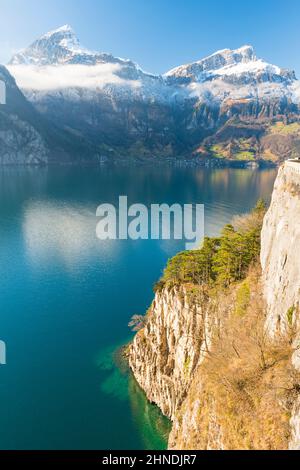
(222, 362)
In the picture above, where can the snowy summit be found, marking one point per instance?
(59, 47)
(228, 74)
(227, 62)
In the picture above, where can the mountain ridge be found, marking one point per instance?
(219, 109)
(65, 37)
(61, 47)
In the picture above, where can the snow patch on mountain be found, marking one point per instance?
(219, 59)
(63, 29)
(256, 66)
(220, 91)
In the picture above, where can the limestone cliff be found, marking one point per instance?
(164, 355)
(280, 251)
(281, 270)
(220, 357)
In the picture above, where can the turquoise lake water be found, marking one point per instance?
(66, 298)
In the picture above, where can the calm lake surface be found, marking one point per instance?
(66, 298)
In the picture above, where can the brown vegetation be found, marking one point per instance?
(246, 386)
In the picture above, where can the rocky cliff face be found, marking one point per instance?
(279, 252)
(224, 365)
(165, 354)
(281, 270)
(21, 141)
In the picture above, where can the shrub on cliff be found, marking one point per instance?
(221, 260)
(192, 266)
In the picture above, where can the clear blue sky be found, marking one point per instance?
(160, 34)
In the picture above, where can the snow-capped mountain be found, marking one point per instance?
(60, 47)
(235, 75)
(57, 61)
(230, 63)
(118, 108)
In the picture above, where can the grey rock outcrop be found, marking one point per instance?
(165, 354)
(281, 269)
(21, 139)
(280, 250)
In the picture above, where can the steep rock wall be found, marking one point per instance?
(164, 355)
(280, 252)
(280, 259)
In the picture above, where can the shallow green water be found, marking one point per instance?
(66, 298)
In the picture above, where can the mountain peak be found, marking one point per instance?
(56, 47)
(238, 66)
(61, 46)
(242, 54)
(217, 60)
(246, 47)
(61, 30)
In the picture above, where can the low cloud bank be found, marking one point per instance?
(68, 76)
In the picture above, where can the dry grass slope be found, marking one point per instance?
(245, 388)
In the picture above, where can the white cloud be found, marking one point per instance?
(67, 76)
(220, 91)
(2, 92)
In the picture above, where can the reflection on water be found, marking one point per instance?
(63, 230)
(65, 296)
(153, 427)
